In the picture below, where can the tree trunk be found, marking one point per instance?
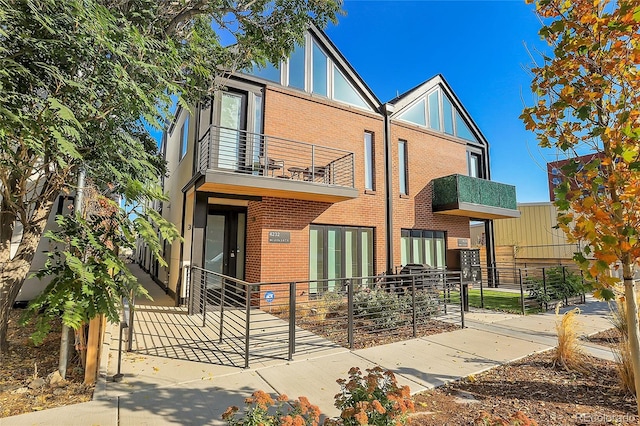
(632, 325)
(14, 271)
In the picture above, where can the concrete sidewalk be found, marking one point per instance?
(166, 388)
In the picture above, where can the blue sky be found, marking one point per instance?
(479, 48)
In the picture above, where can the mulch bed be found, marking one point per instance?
(26, 362)
(537, 388)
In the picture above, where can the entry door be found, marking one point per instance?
(233, 123)
(225, 242)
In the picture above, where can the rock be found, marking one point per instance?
(59, 391)
(56, 380)
(464, 398)
(36, 383)
(20, 390)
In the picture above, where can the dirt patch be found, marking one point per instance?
(533, 385)
(610, 338)
(25, 363)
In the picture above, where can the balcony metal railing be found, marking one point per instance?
(226, 149)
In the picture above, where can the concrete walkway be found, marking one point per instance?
(168, 379)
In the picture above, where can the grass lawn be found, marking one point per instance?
(494, 300)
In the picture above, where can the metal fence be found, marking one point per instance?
(533, 289)
(234, 150)
(279, 319)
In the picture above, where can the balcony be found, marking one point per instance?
(238, 162)
(461, 195)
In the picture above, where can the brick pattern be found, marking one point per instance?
(429, 156)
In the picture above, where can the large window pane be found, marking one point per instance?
(405, 247)
(184, 137)
(434, 111)
(402, 167)
(316, 258)
(367, 252)
(339, 252)
(368, 161)
(447, 112)
(343, 91)
(351, 253)
(462, 130)
(296, 68)
(416, 114)
(334, 257)
(268, 72)
(440, 261)
(319, 71)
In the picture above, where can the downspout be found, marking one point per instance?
(387, 110)
(488, 225)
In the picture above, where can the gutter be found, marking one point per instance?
(387, 110)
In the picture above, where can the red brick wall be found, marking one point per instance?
(430, 155)
(307, 118)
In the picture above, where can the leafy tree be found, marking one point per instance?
(589, 99)
(80, 80)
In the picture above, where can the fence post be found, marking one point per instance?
(222, 297)
(544, 287)
(247, 326)
(461, 299)
(189, 285)
(521, 290)
(584, 293)
(292, 319)
(482, 290)
(564, 285)
(203, 295)
(413, 304)
(350, 302)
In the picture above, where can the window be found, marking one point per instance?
(369, 162)
(447, 115)
(434, 111)
(338, 252)
(319, 71)
(474, 163)
(184, 134)
(415, 114)
(297, 68)
(462, 130)
(424, 247)
(268, 72)
(344, 91)
(311, 69)
(403, 169)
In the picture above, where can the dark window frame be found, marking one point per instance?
(369, 169)
(324, 229)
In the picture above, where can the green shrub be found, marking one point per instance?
(383, 308)
(558, 286)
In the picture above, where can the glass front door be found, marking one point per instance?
(225, 242)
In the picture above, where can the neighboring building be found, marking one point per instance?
(530, 240)
(555, 175)
(301, 173)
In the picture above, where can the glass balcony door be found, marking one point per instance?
(233, 119)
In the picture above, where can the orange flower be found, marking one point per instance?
(378, 407)
(262, 399)
(361, 418)
(283, 398)
(298, 421)
(229, 412)
(286, 421)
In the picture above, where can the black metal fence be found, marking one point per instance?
(278, 319)
(533, 288)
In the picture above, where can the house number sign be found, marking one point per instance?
(280, 237)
